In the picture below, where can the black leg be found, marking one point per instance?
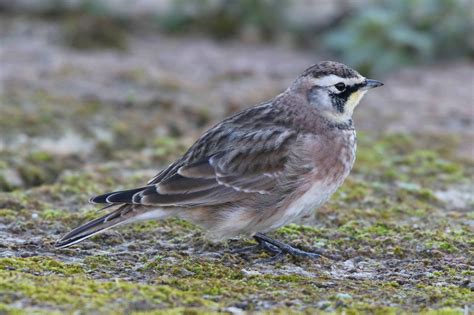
(261, 245)
(272, 259)
(282, 248)
(246, 249)
(276, 248)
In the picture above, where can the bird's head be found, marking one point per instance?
(333, 89)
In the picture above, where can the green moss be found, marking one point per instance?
(397, 157)
(33, 175)
(424, 163)
(82, 293)
(298, 230)
(5, 185)
(168, 146)
(39, 264)
(353, 190)
(11, 310)
(78, 183)
(40, 157)
(98, 261)
(200, 285)
(178, 311)
(444, 311)
(199, 269)
(52, 214)
(7, 214)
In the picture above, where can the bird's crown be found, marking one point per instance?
(326, 68)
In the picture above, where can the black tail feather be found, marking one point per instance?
(119, 216)
(124, 196)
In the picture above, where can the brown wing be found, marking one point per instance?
(226, 176)
(240, 156)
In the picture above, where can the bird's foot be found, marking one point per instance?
(261, 245)
(276, 248)
(279, 249)
(246, 249)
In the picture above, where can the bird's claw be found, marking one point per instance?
(277, 248)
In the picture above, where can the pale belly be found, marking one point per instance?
(238, 222)
(313, 198)
(321, 188)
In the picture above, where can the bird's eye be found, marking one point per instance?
(340, 86)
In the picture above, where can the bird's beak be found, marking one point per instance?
(370, 84)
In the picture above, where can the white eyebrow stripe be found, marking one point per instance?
(332, 79)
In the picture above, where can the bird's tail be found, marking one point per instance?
(124, 214)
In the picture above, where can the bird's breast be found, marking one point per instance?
(331, 164)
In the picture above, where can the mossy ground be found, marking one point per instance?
(389, 244)
(396, 238)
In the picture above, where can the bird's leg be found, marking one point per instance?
(278, 248)
(261, 244)
(267, 246)
(250, 248)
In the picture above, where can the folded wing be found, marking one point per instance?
(223, 166)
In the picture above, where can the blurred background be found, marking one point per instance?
(90, 81)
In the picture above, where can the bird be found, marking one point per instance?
(256, 171)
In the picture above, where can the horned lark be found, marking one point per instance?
(257, 170)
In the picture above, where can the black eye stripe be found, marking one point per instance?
(350, 89)
(340, 99)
